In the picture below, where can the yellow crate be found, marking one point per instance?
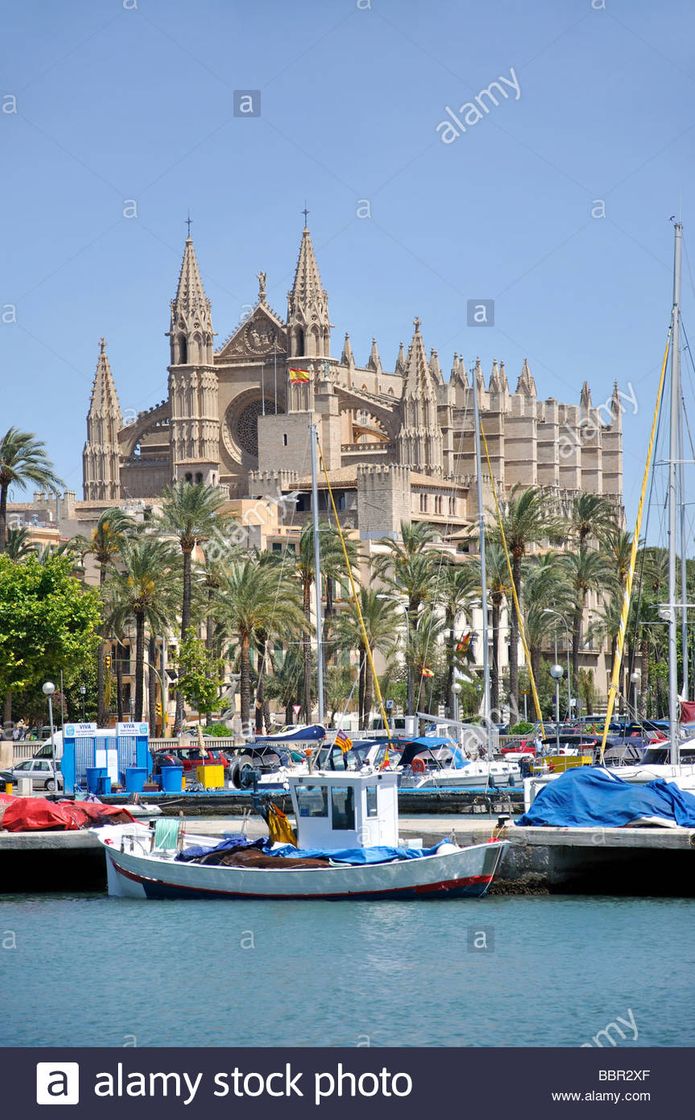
(558, 763)
(210, 777)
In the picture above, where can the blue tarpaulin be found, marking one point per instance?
(587, 796)
(376, 854)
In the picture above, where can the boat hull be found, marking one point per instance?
(453, 873)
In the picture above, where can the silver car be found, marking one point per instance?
(38, 770)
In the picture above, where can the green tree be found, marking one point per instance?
(459, 585)
(332, 565)
(381, 618)
(526, 523)
(586, 571)
(201, 675)
(499, 591)
(142, 592)
(18, 546)
(23, 459)
(257, 597)
(191, 514)
(48, 623)
(409, 568)
(592, 516)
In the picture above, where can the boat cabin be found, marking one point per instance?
(344, 809)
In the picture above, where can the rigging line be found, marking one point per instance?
(515, 597)
(627, 595)
(355, 596)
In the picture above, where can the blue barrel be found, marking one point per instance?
(94, 777)
(171, 778)
(105, 785)
(135, 778)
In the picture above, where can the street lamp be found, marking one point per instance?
(83, 694)
(635, 681)
(457, 692)
(556, 672)
(48, 690)
(557, 615)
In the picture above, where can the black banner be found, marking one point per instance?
(487, 1083)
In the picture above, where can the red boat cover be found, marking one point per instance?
(687, 711)
(36, 814)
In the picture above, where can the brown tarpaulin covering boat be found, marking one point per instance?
(36, 814)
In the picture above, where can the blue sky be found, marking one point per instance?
(132, 100)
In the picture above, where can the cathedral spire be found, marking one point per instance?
(495, 383)
(190, 332)
(400, 360)
(585, 397)
(307, 306)
(526, 383)
(435, 368)
(347, 358)
(101, 457)
(374, 360)
(420, 440)
(459, 376)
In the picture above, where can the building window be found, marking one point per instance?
(189, 476)
(452, 507)
(199, 476)
(438, 505)
(423, 503)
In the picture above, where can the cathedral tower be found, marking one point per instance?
(420, 442)
(101, 456)
(193, 388)
(308, 321)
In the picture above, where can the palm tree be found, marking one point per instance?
(381, 621)
(104, 543)
(592, 515)
(23, 459)
(499, 590)
(587, 571)
(548, 596)
(332, 564)
(257, 598)
(142, 592)
(191, 513)
(458, 586)
(17, 544)
(409, 569)
(526, 523)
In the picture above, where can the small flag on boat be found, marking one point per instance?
(343, 741)
(299, 376)
(427, 672)
(385, 762)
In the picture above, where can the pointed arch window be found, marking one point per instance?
(183, 350)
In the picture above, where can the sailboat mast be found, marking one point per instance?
(481, 539)
(673, 479)
(313, 440)
(683, 544)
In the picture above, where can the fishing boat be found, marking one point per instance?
(346, 847)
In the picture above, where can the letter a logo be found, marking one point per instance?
(57, 1083)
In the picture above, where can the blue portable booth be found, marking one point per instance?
(114, 751)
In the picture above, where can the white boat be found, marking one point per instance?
(347, 831)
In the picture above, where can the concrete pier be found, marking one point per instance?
(609, 861)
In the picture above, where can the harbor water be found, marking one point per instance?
(86, 970)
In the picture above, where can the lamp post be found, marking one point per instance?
(635, 681)
(48, 690)
(83, 694)
(556, 672)
(457, 693)
(549, 610)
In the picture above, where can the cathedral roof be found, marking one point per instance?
(190, 302)
(307, 288)
(374, 360)
(418, 379)
(459, 376)
(526, 383)
(347, 358)
(400, 360)
(104, 400)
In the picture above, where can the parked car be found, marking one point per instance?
(190, 758)
(39, 770)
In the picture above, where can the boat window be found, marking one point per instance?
(343, 806)
(372, 810)
(312, 801)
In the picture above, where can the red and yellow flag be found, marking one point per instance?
(299, 376)
(427, 672)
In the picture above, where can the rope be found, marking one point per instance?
(627, 595)
(355, 597)
(515, 597)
